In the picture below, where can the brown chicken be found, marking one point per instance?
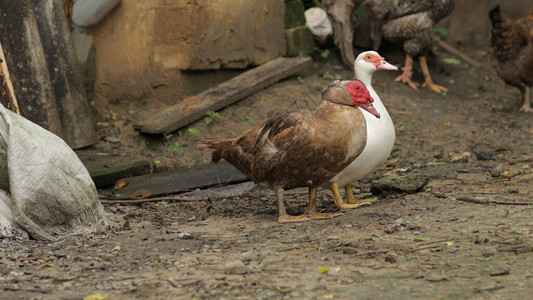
(303, 148)
(410, 22)
(512, 44)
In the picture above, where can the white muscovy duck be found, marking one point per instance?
(380, 133)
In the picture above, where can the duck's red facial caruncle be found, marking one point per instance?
(361, 97)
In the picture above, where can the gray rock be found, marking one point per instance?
(404, 183)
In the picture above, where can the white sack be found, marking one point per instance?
(51, 191)
(317, 20)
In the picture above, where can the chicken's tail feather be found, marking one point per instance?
(496, 16)
(217, 146)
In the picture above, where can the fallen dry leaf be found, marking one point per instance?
(120, 184)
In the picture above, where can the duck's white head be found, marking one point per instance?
(367, 63)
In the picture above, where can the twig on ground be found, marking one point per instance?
(477, 201)
(372, 253)
(109, 200)
(494, 288)
(6, 86)
(425, 248)
(458, 53)
(517, 249)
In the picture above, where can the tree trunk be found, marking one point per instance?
(43, 69)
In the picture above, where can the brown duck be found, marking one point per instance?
(303, 148)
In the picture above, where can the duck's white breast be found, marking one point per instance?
(379, 143)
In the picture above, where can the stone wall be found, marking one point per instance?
(164, 48)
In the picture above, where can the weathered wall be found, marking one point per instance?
(145, 47)
(469, 23)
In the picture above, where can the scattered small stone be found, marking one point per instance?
(413, 227)
(496, 171)
(485, 156)
(439, 195)
(390, 259)
(185, 236)
(437, 279)
(112, 139)
(513, 191)
(460, 157)
(235, 267)
(488, 254)
(392, 229)
(349, 250)
(499, 272)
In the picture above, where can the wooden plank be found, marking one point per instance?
(106, 170)
(184, 179)
(195, 107)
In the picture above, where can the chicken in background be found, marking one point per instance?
(410, 22)
(512, 58)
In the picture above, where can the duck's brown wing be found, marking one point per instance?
(301, 149)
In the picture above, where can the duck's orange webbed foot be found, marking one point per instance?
(292, 219)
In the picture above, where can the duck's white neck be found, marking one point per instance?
(364, 76)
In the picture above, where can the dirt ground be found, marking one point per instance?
(467, 234)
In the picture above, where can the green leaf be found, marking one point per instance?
(176, 148)
(452, 61)
(420, 239)
(126, 224)
(143, 144)
(440, 31)
(323, 270)
(194, 131)
(98, 296)
(338, 76)
(327, 75)
(211, 116)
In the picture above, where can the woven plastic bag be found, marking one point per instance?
(47, 191)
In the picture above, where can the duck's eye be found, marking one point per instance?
(369, 57)
(356, 87)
